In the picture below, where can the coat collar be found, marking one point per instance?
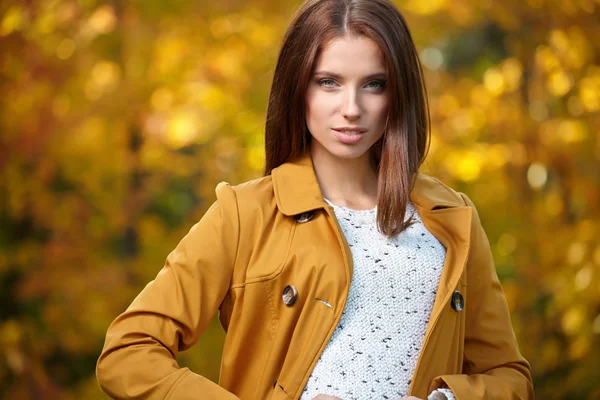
(297, 190)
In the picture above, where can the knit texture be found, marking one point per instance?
(373, 351)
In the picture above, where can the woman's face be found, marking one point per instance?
(347, 90)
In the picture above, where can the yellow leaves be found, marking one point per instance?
(512, 72)
(161, 99)
(559, 40)
(551, 351)
(104, 78)
(135, 66)
(546, 59)
(466, 121)
(432, 58)
(575, 106)
(189, 126)
(183, 129)
(506, 244)
(65, 49)
(538, 110)
(255, 156)
(10, 333)
(589, 89)
(446, 104)
(60, 106)
(572, 46)
(262, 34)
(248, 124)
(554, 204)
(222, 27)
(226, 149)
(566, 131)
(212, 98)
(103, 20)
(566, 52)
(572, 131)
(576, 253)
(518, 154)
(14, 19)
(493, 80)
(465, 166)
(572, 320)
(170, 51)
(468, 167)
(580, 347)
(251, 25)
(537, 175)
(229, 60)
(559, 83)
(255, 153)
(596, 325)
(46, 21)
(11, 337)
(480, 96)
(503, 78)
(583, 278)
(497, 156)
(425, 7)
(587, 229)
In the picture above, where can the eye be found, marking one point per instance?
(378, 84)
(326, 82)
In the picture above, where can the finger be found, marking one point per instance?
(326, 397)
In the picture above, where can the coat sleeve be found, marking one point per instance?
(138, 360)
(493, 367)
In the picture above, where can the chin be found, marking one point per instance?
(345, 152)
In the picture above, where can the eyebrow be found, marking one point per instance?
(338, 76)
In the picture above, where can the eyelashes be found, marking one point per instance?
(328, 83)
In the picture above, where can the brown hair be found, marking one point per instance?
(400, 152)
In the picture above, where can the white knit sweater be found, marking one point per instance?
(374, 350)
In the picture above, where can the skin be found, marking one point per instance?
(348, 98)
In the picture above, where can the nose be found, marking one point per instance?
(350, 107)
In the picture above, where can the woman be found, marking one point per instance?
(342, 273)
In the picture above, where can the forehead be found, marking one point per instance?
(351, 55)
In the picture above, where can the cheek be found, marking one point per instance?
(378, 108)
(316, 107)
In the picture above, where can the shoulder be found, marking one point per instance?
(259, 188)
(247, 196)
(429, 192)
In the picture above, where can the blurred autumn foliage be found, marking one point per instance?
(117, 119)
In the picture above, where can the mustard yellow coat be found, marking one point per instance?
(249, 246)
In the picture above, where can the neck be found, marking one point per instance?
(349, 182)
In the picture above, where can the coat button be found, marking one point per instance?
(457, 302)
(305, 217)
(289, 295)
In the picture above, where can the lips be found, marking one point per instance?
(348, 136)
(350, 130)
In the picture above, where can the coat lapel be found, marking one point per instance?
(446, 216)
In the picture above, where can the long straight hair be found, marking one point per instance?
(399, 153)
